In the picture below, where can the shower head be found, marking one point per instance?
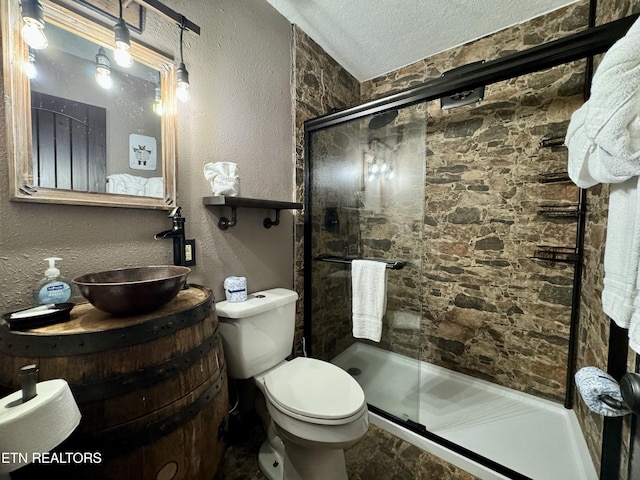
(462, 98)
(382, 119)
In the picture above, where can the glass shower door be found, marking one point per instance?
(367, 201)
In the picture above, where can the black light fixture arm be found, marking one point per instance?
(182, 27)
(167, 12)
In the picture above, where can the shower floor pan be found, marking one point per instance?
(537, 438)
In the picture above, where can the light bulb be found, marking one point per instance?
(157, 103)
(103, 77)
(121, 53)
(182, 92)
(33, 34)
(29, 67)
(103, 70)
(374, 168)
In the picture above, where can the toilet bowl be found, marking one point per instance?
(317, 410)
(312, 410)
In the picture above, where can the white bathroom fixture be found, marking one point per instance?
(314, 409)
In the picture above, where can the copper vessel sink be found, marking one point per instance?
(129, 291)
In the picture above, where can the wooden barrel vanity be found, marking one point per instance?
(152, 388)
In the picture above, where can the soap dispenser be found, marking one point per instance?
(52, 288)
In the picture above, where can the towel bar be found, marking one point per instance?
(391, 264)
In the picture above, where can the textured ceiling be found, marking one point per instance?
(372, 37)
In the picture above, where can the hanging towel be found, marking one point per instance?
(369, 298)
(603, 139)
(592, 383)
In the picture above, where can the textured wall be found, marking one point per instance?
(240, 111)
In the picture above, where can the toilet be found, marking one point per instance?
(312, 410)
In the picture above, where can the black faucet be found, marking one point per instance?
(179, 242)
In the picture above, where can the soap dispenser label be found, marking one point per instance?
(54, 292)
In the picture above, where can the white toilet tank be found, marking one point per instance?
(257, 334)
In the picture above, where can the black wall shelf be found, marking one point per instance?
(241, 202)
(556, 254)
(553, 177)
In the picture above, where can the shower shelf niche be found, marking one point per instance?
(552, 140)
(559, 210)
(553, 177)
(556, 254)
(236, 202)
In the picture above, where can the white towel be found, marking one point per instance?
(369, 298)
(126, 184)
(154, 187)
(223, 177)
(604, 147)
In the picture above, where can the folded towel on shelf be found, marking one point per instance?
(369, 298)
(592, 383)
(603, 139)
(223, 177)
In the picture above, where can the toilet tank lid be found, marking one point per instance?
(256, 303)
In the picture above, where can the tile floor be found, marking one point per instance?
(378, 456)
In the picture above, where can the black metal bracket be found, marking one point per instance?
(170, 14)
(224, 223)
(237, 202)
(268, 223)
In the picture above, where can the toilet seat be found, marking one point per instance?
(314, 391)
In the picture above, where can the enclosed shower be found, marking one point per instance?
(472, 212)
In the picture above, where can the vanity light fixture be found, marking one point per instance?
(182, 92)
(121, 53)
(29, 67)
(103, 70)
(33, 28)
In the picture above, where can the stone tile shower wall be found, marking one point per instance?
(337, 176)
(488, 308)
(321, 86)
(379, 218)
(391, 225)
(593, 333)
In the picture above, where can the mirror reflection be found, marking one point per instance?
(94, 127)
(81, 128)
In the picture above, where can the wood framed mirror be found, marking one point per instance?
(70, 141)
